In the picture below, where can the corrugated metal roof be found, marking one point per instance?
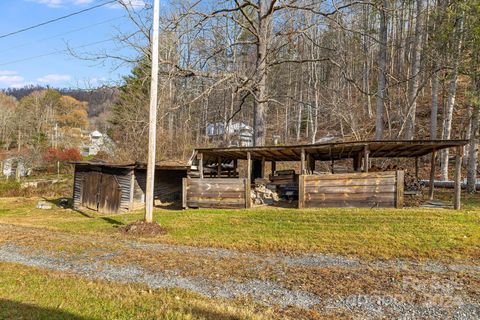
(333, 150)
(163, 165)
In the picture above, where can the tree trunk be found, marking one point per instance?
(382, 61)
(434, 114)
(415, 70)
(261, 88)
(473, 151)
(452, 90)
(366, 64)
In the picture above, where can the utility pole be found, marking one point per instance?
(56, 147)
(152, 125)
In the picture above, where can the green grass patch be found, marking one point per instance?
(369, 233)
(30, 293)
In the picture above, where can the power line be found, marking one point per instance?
(61, 34)
(54, 52)
(57, 19)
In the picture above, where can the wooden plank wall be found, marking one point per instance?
(354, 190)
(78, 188)
(221, 193)
(168, 186)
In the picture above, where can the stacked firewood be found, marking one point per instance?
(264, 192)
(411, 183)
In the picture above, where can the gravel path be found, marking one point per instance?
(330, 285)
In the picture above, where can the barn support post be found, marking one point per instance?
(262, 169)
(235, 167)
(248, 198)
(366, 153)
(458, 178)
(249, 167)
(400, 177)
(302, 161)
(310, 163)
(357, 162)
(274, 167)
(301, 191)
(417, 160)
(432, 175)
(219, 167)
(200, 165)
(184, 193)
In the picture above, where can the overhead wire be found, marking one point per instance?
(56, 19)
(62, 34)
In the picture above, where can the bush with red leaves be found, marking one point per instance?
(61, 155)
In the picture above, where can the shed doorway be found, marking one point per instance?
(101, 192)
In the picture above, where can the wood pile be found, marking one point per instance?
(264, 194)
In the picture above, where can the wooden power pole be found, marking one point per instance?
(152, 124)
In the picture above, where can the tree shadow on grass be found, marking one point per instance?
(112, 221)
(214, 315)
(17, 310)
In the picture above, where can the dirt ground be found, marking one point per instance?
(297, 286)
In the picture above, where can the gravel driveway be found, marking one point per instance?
(329, 285)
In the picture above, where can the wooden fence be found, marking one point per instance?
(216, 193)
(356, 190)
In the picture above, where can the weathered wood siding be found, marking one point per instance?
(216, 193)
(355, 190)
(168, 185)
(112, 189)
(78, 188)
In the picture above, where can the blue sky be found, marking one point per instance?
(20, 63)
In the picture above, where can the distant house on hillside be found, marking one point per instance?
(239, 133)
(97, 142)
(14, 166)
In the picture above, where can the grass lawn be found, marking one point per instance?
(368, 233)
(29, 293)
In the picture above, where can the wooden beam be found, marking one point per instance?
(357, 162)
(366, 153)
(458, 178)
(235, 167)
(302, 161)
(274, 167)
(301, 192)
(248, 198)
(200, 165)
(432, 175)
(310, 163)
(417, 159)
(262, 171)
(219, 167)
(400, 177)
(184, 193)
(249, 167)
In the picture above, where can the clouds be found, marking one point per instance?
(53, 78)
(11, 79)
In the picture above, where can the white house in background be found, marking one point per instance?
(10, 166)
(97, 142)
(240, 134)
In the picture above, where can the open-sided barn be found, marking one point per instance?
(114, 188)
(358, 187)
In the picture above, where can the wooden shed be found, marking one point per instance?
(114, 188)
(359, 187)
